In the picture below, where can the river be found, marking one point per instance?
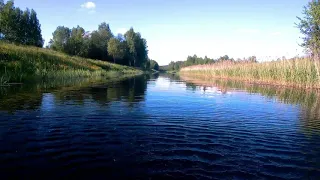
(159, 127)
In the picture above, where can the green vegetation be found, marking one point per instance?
(23, 27)
(20, 27)
(309, 26)
(129, 49)
(152, 65)
(23, 63)
(70, 53)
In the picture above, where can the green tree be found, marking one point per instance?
(131, 40)
(116, 49)
(128, 49)
(76, 42)
(309, 26)
(25, 31)
(148, 65)
(95, 50)
(154, 65)
(105, 35)
(137, 47)
(17, 26)
(60, 39)
(35, 37)
(171, 66)
(7, 22)
(1, 22)
(98, 42)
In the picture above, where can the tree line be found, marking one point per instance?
(18, 26)
(195, 60)
(127, 49)
(23, 27)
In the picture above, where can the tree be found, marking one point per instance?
(98, 42)
(309, 26)
(105, 35)
(148, 65)
(95, 50)
(17, 26)
(131, 40)
(25, 26)
(154, 65)
(224, 58)
(76, 42)
(128, 49)
(34, 35)
(7, 22)
(176, 66)
(116, 49)
(137, 47)
(253, 59)
(60, 39)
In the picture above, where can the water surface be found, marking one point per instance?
(155, 127)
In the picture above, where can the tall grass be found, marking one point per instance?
(301, 72)
(23, 63)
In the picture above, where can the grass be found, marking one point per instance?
(301, 72)
(24, 63)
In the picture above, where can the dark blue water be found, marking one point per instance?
(158, 128)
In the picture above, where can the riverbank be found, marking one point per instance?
(303, 72)
(25, 63)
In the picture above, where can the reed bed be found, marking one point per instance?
(300, 72)
(23, 63)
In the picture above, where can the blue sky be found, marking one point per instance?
(176, 29)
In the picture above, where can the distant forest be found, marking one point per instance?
(195, 60)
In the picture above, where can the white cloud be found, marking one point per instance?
(121, 31)
(88, 5)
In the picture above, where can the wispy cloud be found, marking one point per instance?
(88, 5)
(276, 33)
(248, 30)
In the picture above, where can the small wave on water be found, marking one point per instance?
(158, 128)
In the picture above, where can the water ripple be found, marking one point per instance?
(160, 134)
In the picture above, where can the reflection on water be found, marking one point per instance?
(158, 127)
(32, 96)
(308, 100)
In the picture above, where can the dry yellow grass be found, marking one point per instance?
(302, 72)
